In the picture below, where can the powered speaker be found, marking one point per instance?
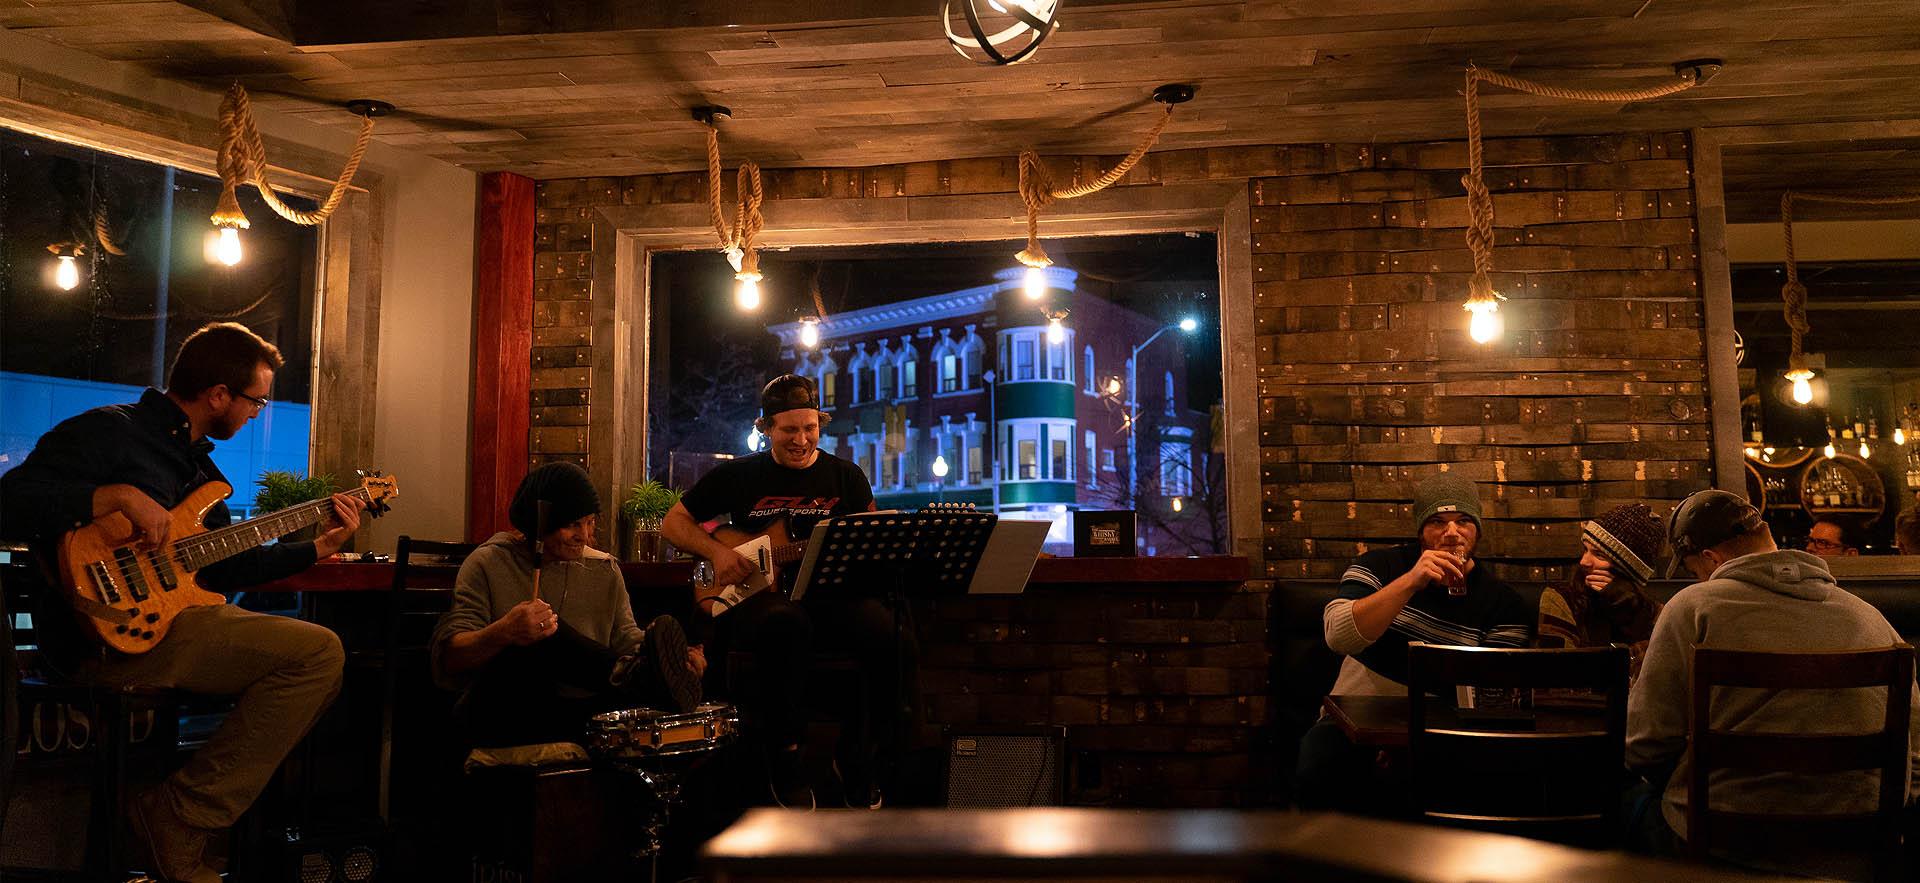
(1005, 767)
(341, 853)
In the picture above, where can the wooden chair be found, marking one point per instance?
(403, 609)
(1557, 777)
(110, 710)
(1883, 749)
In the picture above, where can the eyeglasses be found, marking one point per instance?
(259, 404)
(1817, 543)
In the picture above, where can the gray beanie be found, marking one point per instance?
(1442, 493)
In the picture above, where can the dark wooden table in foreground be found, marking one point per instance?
(1185, 845)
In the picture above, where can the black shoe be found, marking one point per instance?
(662, 664)
(785, 783)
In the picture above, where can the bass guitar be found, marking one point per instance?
(130, 595)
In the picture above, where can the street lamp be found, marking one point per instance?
(940, 475)
(1186, 325)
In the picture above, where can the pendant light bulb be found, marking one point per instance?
(67, 273)
(1486, 325)
(810, 332)
(939, 467)
(1178, 504)
(1056, 330)
(1036, 283)
(1802, 392)
(1899, 436)
(228, 250)
(1828, 451)
(1866, 453)
(746, 294)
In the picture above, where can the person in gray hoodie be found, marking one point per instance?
(533, 669)
(1752, 595)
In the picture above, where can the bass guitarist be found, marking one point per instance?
(140, 460)
(783, 492)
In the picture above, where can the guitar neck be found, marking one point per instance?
(214, 546)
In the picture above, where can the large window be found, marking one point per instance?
(941, 339)
(106, 265)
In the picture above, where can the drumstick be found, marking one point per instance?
(540, 508)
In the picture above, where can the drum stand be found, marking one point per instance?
(664, 785)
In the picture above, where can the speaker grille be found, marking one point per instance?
(316, 867)
(360, 864)
(997, 770)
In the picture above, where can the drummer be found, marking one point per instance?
(541, 635)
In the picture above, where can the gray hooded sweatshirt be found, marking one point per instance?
(1780, 601)
(588, 594)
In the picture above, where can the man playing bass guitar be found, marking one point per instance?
(140, 460)
(794, 484)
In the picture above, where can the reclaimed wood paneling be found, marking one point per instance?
(602, 88)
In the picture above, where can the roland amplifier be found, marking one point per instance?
(338, 853)
(1006, 766)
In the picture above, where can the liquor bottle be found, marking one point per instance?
(1859, 425)
(1873, 427)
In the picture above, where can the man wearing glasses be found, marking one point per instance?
(1828, 539)
(141, 460)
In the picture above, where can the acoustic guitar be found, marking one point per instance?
(770, 550)
(130, 595)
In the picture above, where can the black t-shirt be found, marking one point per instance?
(755, 492)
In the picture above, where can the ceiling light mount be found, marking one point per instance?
(369, 108)
(1174, 93)
(711, 114)
(1701, 69)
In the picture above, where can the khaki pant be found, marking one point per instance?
(283, 672)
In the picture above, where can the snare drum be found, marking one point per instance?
(639, 733)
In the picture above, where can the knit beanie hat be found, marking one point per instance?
(565, 488)
(1630, 536)
(1446, 492)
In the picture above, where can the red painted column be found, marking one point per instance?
(502, 349)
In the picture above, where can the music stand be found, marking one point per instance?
(934, 551)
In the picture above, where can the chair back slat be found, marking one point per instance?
(1794, 753)
(1884, 749)
(1558, 782)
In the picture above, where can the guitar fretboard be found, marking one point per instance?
(208, 548)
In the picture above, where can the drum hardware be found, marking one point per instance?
(655, 748)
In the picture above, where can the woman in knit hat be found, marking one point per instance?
(533, 666)
(1607, 602)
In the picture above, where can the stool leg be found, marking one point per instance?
(109, 790)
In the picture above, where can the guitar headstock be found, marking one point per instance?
(380, 488)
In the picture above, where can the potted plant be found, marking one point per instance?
(645, 505)
(280, 489)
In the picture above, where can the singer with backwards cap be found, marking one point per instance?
(795, 484)
(541, 633)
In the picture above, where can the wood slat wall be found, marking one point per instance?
(1368, 381)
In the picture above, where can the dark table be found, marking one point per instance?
(1185, 845)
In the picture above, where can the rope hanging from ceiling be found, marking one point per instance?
(737, 239)
(1037, 190)
(1480, 293)
(1793, 293)
(243, 160)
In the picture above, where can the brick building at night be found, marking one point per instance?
(1027, 426)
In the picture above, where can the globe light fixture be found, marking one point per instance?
(939, 467)
(1001, 32)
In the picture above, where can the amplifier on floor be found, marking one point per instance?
(339, 853)
(1006, 766)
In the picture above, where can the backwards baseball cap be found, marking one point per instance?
(1706, 519)
(786, 393)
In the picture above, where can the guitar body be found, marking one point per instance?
(776, 533)
(129, 596)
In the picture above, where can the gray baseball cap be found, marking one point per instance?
(1706, 519)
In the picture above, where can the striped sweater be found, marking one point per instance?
(1490, 614)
